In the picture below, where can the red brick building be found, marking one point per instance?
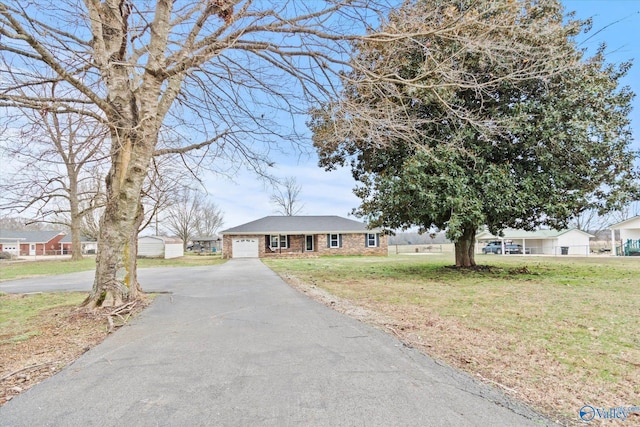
(23, 243)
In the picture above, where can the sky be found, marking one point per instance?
(246, 198)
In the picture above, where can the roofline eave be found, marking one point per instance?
(290, 232)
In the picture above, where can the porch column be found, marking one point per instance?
(613, 242)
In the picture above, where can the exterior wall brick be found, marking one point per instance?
(352, 244)
(51, 247)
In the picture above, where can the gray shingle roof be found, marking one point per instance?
(83, 239)
(29, 236)
(300, 225)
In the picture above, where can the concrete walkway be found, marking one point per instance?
(239, 347)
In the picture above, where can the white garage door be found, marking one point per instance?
(11, 249)
(245, 248)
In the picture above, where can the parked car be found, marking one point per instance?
(196, 247)
(496, 248)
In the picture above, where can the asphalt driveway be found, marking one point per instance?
(233, 345)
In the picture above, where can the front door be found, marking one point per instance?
(309, 244)
(32, 249)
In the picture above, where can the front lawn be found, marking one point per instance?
(558, 333)
(22, 269)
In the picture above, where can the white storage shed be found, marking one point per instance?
(160, 247)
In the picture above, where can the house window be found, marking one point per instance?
(334, 240)
(372, 240)
(278, 241)
(309, 243)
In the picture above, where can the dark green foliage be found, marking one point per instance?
(491, 118)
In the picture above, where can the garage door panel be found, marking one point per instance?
(245, 247)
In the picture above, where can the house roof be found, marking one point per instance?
(205, 239)
(29, 236)
(300, 225)
(629, 223)
(164, 239)
(511, 233)
(83, 239)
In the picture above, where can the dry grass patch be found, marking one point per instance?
(556, 333)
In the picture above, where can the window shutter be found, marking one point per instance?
(366, 240)
(340, 240)
(377, 240)
(328, 240)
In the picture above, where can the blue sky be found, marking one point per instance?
(617, 23)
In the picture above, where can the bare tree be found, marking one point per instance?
(90, 227)
(181, 217)
(165, 179)
(190, 214)
(590, 221)
(628, 211)
(212, 71)
(20, 223)
(58, 158)
(286, 197)
(209, 219)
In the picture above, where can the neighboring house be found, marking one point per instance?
(23, 243)
(160, 247)
(281, 236)
(87, 245)
(204, 244)
(629, 243)
(545, 242)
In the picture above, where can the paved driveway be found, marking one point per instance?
(238, 347)
(156, 279)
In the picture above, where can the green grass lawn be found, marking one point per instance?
(17, 314)
(23, 269)
(523, 321)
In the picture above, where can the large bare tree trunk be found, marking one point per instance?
(116, 263)
(76, 244)
(465, 248)
(75, 219)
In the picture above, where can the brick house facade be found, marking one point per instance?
(23, 243)
(302, 236)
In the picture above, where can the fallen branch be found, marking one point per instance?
(28, 368)
(111, 327)
(125, 309)
(502, 386)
